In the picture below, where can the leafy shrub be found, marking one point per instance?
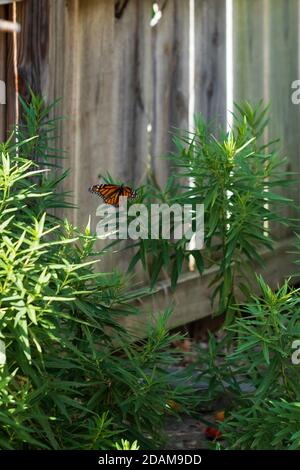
(237, 180)
(70, 376)
(256, 376)
(125, 445)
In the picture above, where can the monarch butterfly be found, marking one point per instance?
(111, 193)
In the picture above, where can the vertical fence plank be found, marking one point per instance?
(53, 84)
(132, 99)
(249, 49)
(284, 69)
(265, 65)
(210, 60)
(88, 96)
(10, 79)
(132, 87)
(2, 76)
(152, 85)
(170, 72)
(32, 43)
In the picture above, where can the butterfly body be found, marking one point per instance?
(111, 193)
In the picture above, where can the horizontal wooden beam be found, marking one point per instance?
(192, 298)
(6, 2)
(9, 27)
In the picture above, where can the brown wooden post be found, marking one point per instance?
(32, 45)
(2, 75)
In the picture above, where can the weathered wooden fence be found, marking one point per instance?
(125, 85)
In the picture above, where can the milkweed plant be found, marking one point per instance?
(71, 377)
(238, 177)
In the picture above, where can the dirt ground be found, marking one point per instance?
(187, 433)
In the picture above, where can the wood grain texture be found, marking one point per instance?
(32, 43)
(266, 62)
(151, 83)
(131, 99)
(2, 75)
(170, 55)
(210, 60)
(132, 91)
(285, 116)
(53, 84)
(82, 70)
(249, 50)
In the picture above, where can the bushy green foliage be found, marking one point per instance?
(71, 377)
(125, 445)
(237, 178)
(257, 376)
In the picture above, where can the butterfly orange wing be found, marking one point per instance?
(128, 192)
(105, 191)
(110, 193)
